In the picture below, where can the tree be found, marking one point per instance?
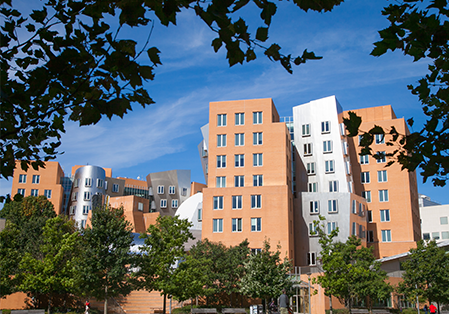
(107, 259)
(266, 274)
(66, 61)
(54, 272)
(163, 251)
(426, 273)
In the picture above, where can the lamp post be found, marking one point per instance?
(310, 301)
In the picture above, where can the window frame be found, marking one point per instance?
(217, 202)
(163, 203)
(47, 193)
(365, 177)
(236, 225)
(237, 202)
(314, 207)
(22, 178)
(329, 166)
(256, 201)
(385, 215)
(239, 139)
(221, 119)
(256, 224)
(382, 176)
(332, 206)
(305, 130)
(239, 118)
(221, 140)
(257, 117)
(258, 180)
(220, 182)
(221, 161)
(217, 225)
(36, 179)
(239, 181)
(257, 159)
(327, 146)
(257, 138)
(239, 160)
(325, 127)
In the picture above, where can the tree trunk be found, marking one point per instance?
(105, 299)
(49, 304)
(330, 305)
(164, 306)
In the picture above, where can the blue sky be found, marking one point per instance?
(165, 136)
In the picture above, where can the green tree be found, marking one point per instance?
(163, 250)
(54, 273)
(66, 61)
(266, 274)
(105, 268)
(426, 273)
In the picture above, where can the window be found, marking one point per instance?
(239, 160)
(74, 196)
(313, 187)
(306, 130)
(361, 231)
(239, 181)
(354, 229)
(380, 138)
(435, 235)
(444, 235)
(426, 236)
(171, 189)
(311, 258)
(312, 229)
(381, 157)
(174, 203)
(256, 251)
(361, 209)
(218, 202)
(83, 223)
(236, 202)
(333, 186)
(310, 168)
(221, 120)
(217, 225)
(36, 178)
(239, 119)
(22, 178)
(370, 216)
(367, 195)
(221, 182)
(221, 140)
(354, 206)
(331, 226)
(257, 138)
(72, 210)
(364, 159)
(256, 224)
(88, 182)
(115, 188)
(327, 146)
(221, 161)
(76, 183)
(384, 215)
(239, 139)
(86, 209)
(325, 127)
(370, 237)
(386, 235)
(163, 203)
(365, 177)
(257, 160)
(383, 195)
(332, 206)
(443, 220)
(307, 149)
(200, 214)
(140, 207)
(257, 180)
(87, 196)
(34, 192)
(236, 224)
(329, 166)
(257, 117)
(382, 176)
(100, 183)
(184, 192)
(314, 207)
(47, 193)
(256, 201)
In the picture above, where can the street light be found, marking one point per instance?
(310, 301)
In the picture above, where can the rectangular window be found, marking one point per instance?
(221, 182)
(218, 202)
(354, 229)
(370, 216)
(383, 195)
(221, 161)
(221, 140)
(200, 214)
(221, 120)
(239, 139)
(306, 130)
(171, 189)
(257, 160)
(88, 182)
(367, 195)
(83, 223)
(163, 203)
(72, 210)
(236, 202)
(100, 183)
(257, 117)
(314, 207)
(381, 157)
(382, 176)
(239, 119)
(74, 196)
(86, 209)
(435, 235)
(256, 224)
(257, 180)
(386, 235)
(36, 178)
(22, 178)
(443, 220)
(327, 146)
(333, 186)
(354, 206)
(257, 138)
(310, 168)
(47, 193)
(76, 183)
(380, 138)
(87, 196)
(332, 206)
(115, 188)
(364, 159)
(365, 177)
(307, 149)
(385, 215)
(360, 209)
(160, 189)
(329, 166)
(325, 127)
(311, 258)
(217, 225)
(331, 226)
(34, 192)
(426, 236)
(239, 181)
(140, 207)
(236, 224)
(370, 238)
(312, 229)
(444, 235)
(313, 187)
(174, 203)
(239, 160)
(256, 201)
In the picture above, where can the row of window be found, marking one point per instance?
(325, 128)
(378, 138)
(256, 202)
(436, 235)
(239, 118)
(239, 181)
(329, 167)
(35, 192)
(88, 182)
(331, 226)
(23, 178)
(383, 196)
(86, 209)
(174, 203)
(239, 160)
(332, 207)
(237, 225)
(239, 139)
(381, 176)
(161, 189)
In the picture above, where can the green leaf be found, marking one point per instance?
(153, 54)
(262, 34)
